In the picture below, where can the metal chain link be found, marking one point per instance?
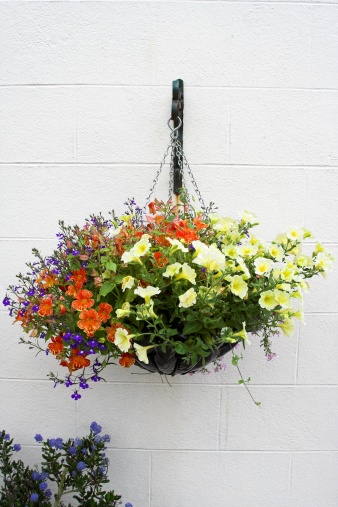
(175, 146)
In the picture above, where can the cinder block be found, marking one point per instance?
(129, 474)
(176, 418)
(29, 407)
(318, 350)
(196, 479)
(129, 124)
(284, 127)
(37, 124)
(290, 419)
(313, 480)
(324, 46)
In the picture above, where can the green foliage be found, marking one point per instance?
(78, 467)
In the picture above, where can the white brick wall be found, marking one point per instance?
(85, 96)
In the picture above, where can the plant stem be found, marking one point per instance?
(60, 488)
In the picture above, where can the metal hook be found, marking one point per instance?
(177, 117)
(175, 129)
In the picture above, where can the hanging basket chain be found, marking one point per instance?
(175, 146)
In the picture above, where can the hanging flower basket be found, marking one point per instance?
(169, 287)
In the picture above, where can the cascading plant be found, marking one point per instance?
(169, 290)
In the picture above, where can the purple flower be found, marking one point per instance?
(96, 428)
(72, 450)
(38, 437)
(75, 252)
(56, 442)
(80, 466)
(34, 497)
(17, 447)
(7, 436)
(35, 475)
(76, 396)
(6, 301)
(48, 493)
(128, 505)
(31, 292)
(43, 486)
(35, 308)
(43, 476)
(78, 442)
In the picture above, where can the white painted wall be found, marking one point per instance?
(85, 97)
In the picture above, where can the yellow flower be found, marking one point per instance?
(130, 257)
(287, 327)
(263, 266)
(276, 252)
(303, 260)
(238, 286)
(142, 247)
(230, 251)
(268, 300)
(188, 298)
(249, 217)
(124, 311)
(186, 273)
(122, 339)
(283, 298)
(141, 352)
(147, 292)
(247, 250)
(172, 269)
(241, 334)
(295, 234)
(211, 258)
(177, 245)
(319, 248)
(146, 311)
(324, 261)
(127, 282)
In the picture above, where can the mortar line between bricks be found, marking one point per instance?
(290, 478)
(232, 451)
(155, 164)
(220, 87)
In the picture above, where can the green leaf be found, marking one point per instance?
(111, 265)
(106, 288)
(180, 348)
(192, 327)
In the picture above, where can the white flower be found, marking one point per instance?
(247, 216)
(188, 298)
(141, 352)
(238, 286)
(177, 245)
(127, 282)
(268, 300)
(147, 292)
(263, 266)
(172, 269)
(211, 258)
(295, 234)
(124, 311)
(122, 339)
(247, 249)
(142, 247)
(186, 273)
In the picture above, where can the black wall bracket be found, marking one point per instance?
(177, 117)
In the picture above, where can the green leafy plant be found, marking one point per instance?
(77, 466)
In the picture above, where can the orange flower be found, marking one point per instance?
(63, 309)
(83, 300)
(56, 346)
(46, 279)
(89, 321)
(160, 259)
(45, 307)
(71, 291)
(126, 360)
(152, 208)
(75, 363)
(104, 311)
(79, 278)
(199, 225)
